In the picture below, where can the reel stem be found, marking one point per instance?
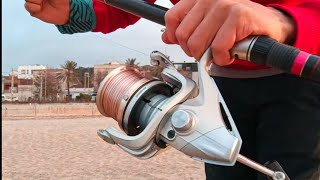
(276, 175)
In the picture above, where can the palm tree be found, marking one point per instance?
(132, 62)
(68, 74)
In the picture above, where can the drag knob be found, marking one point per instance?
(182, 121)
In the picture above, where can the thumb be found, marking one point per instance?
(32, 8)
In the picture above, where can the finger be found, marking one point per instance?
(189, 24)
(223, 43)
(165, 38)
(32, 8)
(203, 35)
(174, 16)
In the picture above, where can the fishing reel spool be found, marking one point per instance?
(131, 99)
(175, 111)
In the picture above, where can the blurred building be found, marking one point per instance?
(47, 86)
(26, 89)
(102, 70)
(26, 72)
(189, 70)
(19, 89)
(8, 83)
(74, 92)
(151, 71)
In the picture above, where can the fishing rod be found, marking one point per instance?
(257, 49)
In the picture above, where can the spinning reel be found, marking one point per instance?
(175, 111)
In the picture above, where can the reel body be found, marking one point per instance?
(174, 111)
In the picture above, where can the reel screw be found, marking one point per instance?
(125, 97)
(182, 121)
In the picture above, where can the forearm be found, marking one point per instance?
(95, 16)
(306, 16)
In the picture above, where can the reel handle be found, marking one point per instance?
(275, 166)
(257, 49)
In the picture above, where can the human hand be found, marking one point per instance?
(50, 11)
(197, 24)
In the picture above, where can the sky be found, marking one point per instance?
(29, 41)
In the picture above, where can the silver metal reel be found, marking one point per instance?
(190, 121)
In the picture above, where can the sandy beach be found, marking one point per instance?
(71, 149)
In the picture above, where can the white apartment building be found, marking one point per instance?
(25, 72)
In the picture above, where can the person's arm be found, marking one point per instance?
(81, 17)
(110, 19)
(306, 16)
(96, 16)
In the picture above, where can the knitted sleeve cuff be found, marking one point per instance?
(82, 18)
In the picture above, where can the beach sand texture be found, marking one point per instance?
(70, 149)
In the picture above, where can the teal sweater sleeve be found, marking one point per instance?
(82, 18)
